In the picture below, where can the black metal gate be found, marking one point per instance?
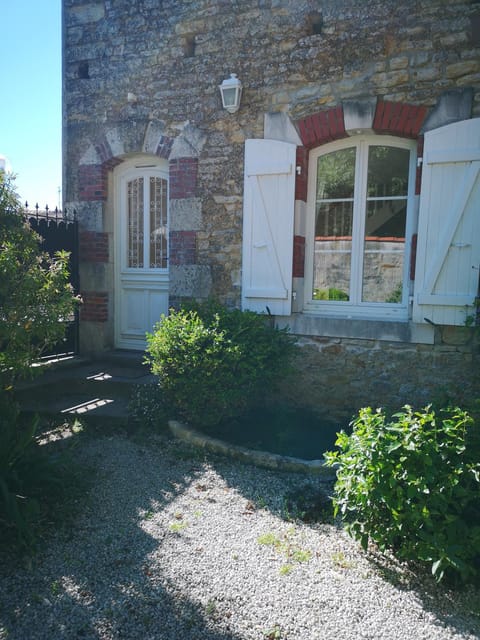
(59, 231)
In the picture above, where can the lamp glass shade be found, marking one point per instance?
(231, 91)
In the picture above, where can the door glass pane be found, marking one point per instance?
(158, 223)
(385, 224)
(135, 223)
(333, 225)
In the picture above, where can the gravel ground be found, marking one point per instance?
(175, 545)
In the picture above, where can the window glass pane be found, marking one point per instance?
(158, 223)
(135, 223)
(384, 250)
(387, 171)
(333, 249)
(336, 174)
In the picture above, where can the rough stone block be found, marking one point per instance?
(185, 214)
(190, 281)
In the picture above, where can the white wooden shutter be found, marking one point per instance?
(448, 249)
(268, 217)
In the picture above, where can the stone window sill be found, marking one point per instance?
(362, 329)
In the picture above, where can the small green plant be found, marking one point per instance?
(269, 539)
(211, 608)
(285, 569)
(275, 633)
(412, 484)
(176, 527)
(301, 555)
(287, 547)
(55, 588)
(340, 560)
(213, 363)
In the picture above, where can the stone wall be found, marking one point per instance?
(339, 376)
(142, 76)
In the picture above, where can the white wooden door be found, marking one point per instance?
(268, 218)
(448, 250)
(141, 253)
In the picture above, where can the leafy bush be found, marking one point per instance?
(33, 484)
(35, 299)
(412, 485)
(213, 363)
(35, 293)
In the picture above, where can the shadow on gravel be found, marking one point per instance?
(93, 580)
(308, 501)
(106, 577)
(457, 608)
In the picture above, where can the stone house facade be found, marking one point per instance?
(342, 197)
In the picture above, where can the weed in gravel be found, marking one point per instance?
(210, 608)
(177, 527)
(340, 560)
(275, 633)
(287, 547)
(285, 569)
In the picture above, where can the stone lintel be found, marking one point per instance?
(278, 126)
(359, 114)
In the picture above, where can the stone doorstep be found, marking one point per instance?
(90, 389)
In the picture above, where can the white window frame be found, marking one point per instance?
(348, 309)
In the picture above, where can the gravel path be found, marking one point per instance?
(172, 545)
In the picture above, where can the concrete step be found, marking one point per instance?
(100, 389)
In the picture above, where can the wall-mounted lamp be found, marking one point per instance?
(231, 90)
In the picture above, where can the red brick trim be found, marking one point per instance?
(183, 247)
(298, 257)
(94, 307)
(322, 127)
(92, 182)
(399, 118)
(93, 246)
(301, 177)
(183, 178)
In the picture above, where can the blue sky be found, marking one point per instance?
(30, 97)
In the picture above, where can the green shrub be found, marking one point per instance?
(213, 363)
(35, 300)
(412, 484)
(35, 294)
(33, 484)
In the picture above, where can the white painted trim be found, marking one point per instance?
(141, 279)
